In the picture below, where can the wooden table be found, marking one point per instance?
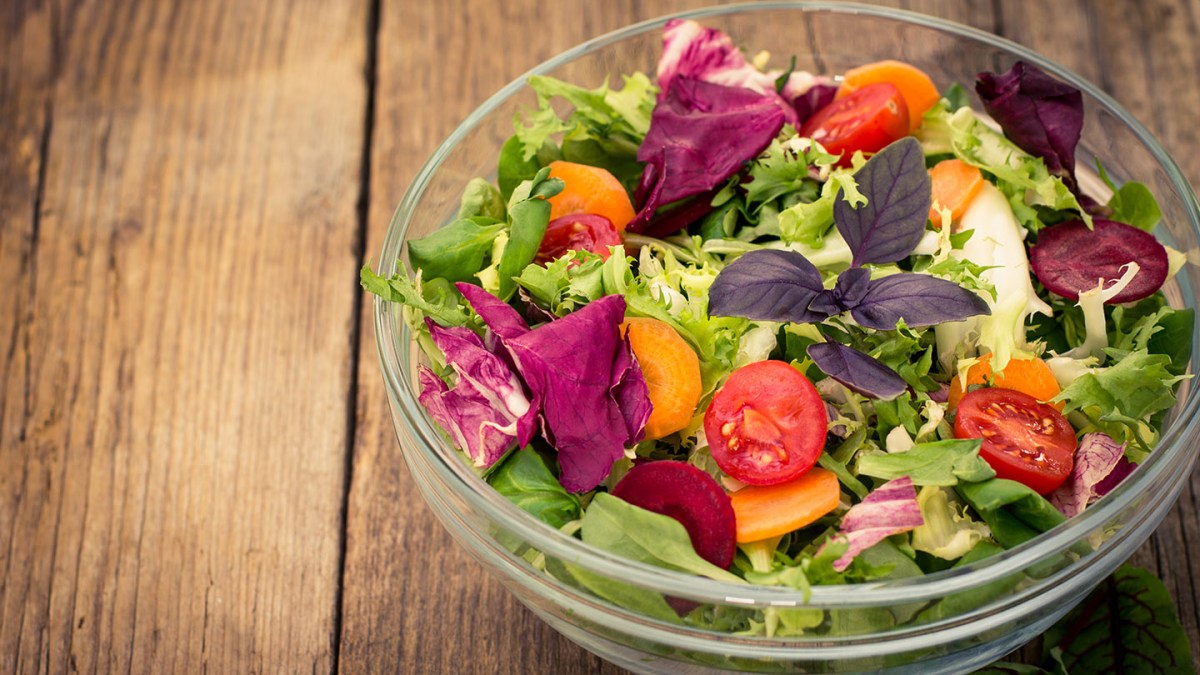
(197, 468)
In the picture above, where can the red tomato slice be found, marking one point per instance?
(767, 424)
(868, 119)
(1023, 440)
(577, 232)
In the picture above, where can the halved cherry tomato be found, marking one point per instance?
(1023, 440)
(767, 424)
(868, 119)
(577, 232)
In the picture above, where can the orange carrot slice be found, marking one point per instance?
(672, 372)
(955, 184)
(914, 85)
(1029, 376)
(764, 511)
(590, 189)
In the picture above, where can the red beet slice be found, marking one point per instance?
(687, 494)
(1069, 259)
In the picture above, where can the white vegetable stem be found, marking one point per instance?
(997, 242)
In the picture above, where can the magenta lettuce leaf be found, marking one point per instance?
(700, 135)
(818, 96)
(889, 509)
(693, 51)
(861, 373)
(499, 316)
(486, 412)
(1100, 465)
(897, 187)
(579, 370)
(1042, 115)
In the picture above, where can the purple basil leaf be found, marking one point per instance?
(889, 509)
(852, 285)
(898, 192)
(1097, 460)
(568, 365)
(486, 412)
(818, 96)
(1042, 115)
(767, 285)
(859, 372)
(919, 299)
(700, 135)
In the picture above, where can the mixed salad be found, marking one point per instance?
(785, 329)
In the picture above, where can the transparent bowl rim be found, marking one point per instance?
(392, 340)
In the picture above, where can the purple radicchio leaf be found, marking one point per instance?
(579, 371)
(1099, 465)
(897, 187)
(818, 96)
(1042, 115)
(693, 51)
(859, 372)
(499, 316)
(921, 300)
(700, 135)
(767, 285)
(889, 509)
(486, 413)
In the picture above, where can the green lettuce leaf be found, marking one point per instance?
(938, 463)
(616, 526)
(525, 480)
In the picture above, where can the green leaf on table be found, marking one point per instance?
(1127, 625)
(1009, 668)
(616, 526)
(455, 252)
(942, 463)
(525, 480)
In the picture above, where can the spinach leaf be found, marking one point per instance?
(514, 168)
(525, 480)
(1174, 340)
(1132, 203)
(481, 199)
(624, 595)
(528, 215)
(619, 527)
(455, 252)
(938, 463)
(1127, 625)
(1013, 511)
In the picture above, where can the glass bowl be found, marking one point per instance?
(948, 621)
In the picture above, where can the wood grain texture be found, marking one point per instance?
(174, 435)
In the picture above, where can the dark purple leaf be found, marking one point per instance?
(767, 285)
(576, 367)
(856, 370)
(1042, 115)
(919, 299)
(700, 135)
(852, 285)
(898, 192)
(818, 96)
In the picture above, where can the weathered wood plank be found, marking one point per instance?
(412, 598)
(186, 342)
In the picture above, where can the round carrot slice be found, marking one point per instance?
(672, 372)
(590, 189)
(1028, 376)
